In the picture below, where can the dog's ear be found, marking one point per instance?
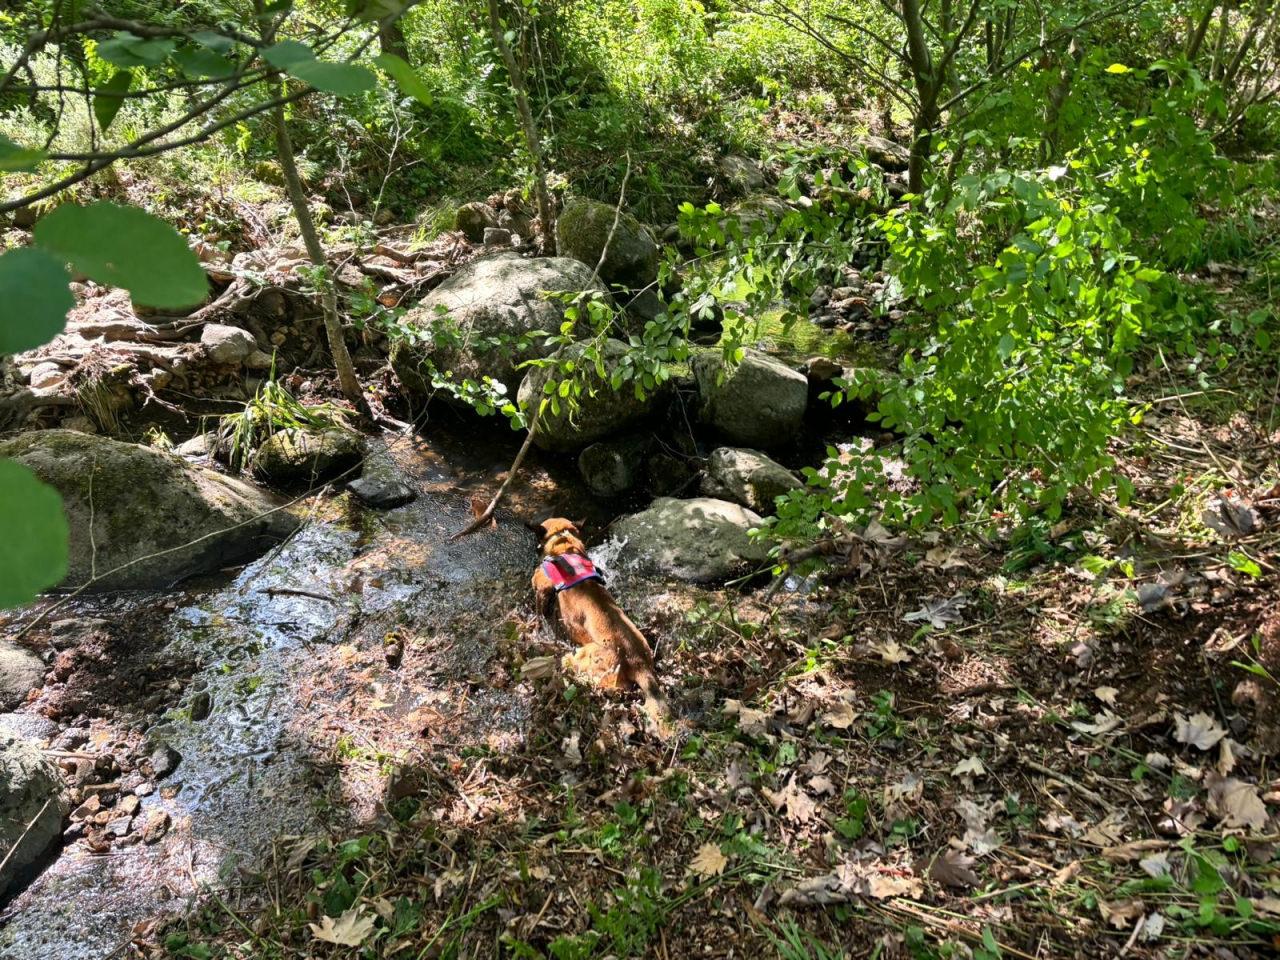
(578, 525)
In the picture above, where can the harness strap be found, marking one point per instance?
(566, 570)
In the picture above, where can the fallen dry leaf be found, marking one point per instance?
(709, 861)
(839, 716)
(794, 802)
(1236, 803)
(538, 668)
(1200, 731)
(971, 766)
(1107, 695)
(351, 929)
(752, 722)
(939, 614)
(892, 652)
(952, 868)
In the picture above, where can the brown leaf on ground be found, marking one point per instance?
(1121, 913)
(1199, 730)
(1235, 802)
(709, 861)
(952, 868)
(351, 929)
(794, 802)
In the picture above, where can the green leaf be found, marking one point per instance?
(1117, 68)
(286, 53)
(406, 78)
(126, 247)
(340, 79)
(1243, 563)
(126, 50)
(1005, 346)
(214, 41)
(15, 158)
(199, 63)
(34, 532)
(108, 101)
(36, 296)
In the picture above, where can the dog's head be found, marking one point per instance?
(557, 535)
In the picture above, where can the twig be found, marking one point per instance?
(294, 592)
(1068, 781)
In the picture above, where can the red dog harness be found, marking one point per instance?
(567, 570)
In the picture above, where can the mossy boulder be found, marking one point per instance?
(582, 231)
(747, 477)
(602, 411)
(32, 806)
(471, 325)
(760, 402)
(702, 540)
(295, 457)
(472, 219)
(142, 518)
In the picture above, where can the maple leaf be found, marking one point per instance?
(838, 716)
(954, 869)
(709, 861)
(1107, 695)
(939, 614)
(797, 804)
(1236, 802)
(972, 766)
(1200, 730)
(750, 721)
(891, 652)
(1103, 723)
(351, 929)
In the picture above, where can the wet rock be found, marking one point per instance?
(89, 809)
(584, 227)
(155, 824)
(602, 411)
(747, 477)
(382, 493)
(146, 503)
(21, 671)
(201, 445)
(298, 457)
(702, 540)
(201, 706)
(759, 403)
(495, 296)
(164, 760)
(668, 475)
(31, 806)
(473, 218)
(612, 467)
(119, 826)
(226, 345)
(497, 237)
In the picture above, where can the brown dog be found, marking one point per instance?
(611, 652)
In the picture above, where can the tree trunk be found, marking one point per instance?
(391, 39)
(533, 140)
(1202, 27)
(926, 119)
(311, 239)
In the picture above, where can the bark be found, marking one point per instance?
(347, 379)
(533, 139)
(1196, 40)
(926, 118)
(391, 39)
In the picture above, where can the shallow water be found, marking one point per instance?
(255, 769)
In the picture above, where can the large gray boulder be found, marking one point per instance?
(747, 477)
(474, 218)
(21, 671)
(760, 402)
(296, 457)
(584, 227)
(703, 540)
(127, 504)
(31, 806)
(497, 296)
(602, 411)
(227, 345)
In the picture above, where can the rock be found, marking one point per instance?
(517, 223)
(472, 219)
(47, 374)
(702, 540)
(759, 210)
(759, 403)
(21, 671)
(747, 477)
(164, 760)
(495, 296)
(226, 345)
(612, 467)
(598, 416)
(201, 445)
(644, 306)
(497, 237)
(885, 153)
(155, 824)
(146, 503)
(742, 173)
(31, 806)
(382, 494)
(259, 360)
(668, 475)
(201, 706)
(582, 231)
(298, 457)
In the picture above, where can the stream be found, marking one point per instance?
(288, 655)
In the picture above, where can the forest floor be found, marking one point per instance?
(1054, 743)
